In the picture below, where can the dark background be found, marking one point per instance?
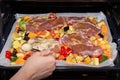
(111, 9)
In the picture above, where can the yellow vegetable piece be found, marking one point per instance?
(27, 18)
(20, 61)
(101, 23)
(87, 60)
(48, 37)
(11, 50)
(61, 34)
(44, 34)
(90, 17)
(79, 59)
(22, 41)
(69, 59)
(32, 35)
(105, 37)
(92, 38)
(74, 60)
(18, 50)
(44, 17)
(15, 35)
(95, 61)
(104, 29)
(20, 55)
(107, 53)
(16, 44)
(12, 63)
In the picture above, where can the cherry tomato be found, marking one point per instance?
(8, 55)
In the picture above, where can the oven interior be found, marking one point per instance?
(110, 9)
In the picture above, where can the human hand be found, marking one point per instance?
(38, 66)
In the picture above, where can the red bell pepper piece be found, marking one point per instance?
(99, 57)
(65, 51)
(27, 56)
(8, 55)
(57, 39)
(102, 58)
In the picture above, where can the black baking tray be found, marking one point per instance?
(9, 9)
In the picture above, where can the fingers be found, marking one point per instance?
(43, 53)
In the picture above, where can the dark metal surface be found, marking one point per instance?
(66, 73)
(0, 24)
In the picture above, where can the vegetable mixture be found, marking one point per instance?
(25, 43)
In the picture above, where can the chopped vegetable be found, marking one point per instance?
(27, 56)
(13, 59)
(32, 35)
(24, 41)
(95, 61)
(79, 59)
(65, 51)
(20, 55)
(92, 19)
(71, 58)
(103, 58)
(26, 47)
(20, 61)
(8, 55)
(87, 60)
(14, 52)
(16, 36)
(16, 44)
(27, 18)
